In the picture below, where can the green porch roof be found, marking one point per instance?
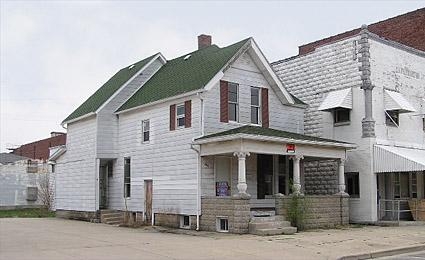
(184, 74)
(108, 89)
(261, 131)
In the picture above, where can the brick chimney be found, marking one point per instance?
(204, 41)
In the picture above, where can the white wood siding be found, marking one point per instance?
(76, 169)
(107, 121)
(244, 72)
(167, 159)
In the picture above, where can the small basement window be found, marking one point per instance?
(222, 224)
(392, 117)
(341, 115)
(185, 221)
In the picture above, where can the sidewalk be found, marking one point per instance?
(67, 239)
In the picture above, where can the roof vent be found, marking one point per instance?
(187, 57)
(131, 66)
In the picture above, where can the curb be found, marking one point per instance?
(391, 252)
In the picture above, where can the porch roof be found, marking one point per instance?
(269, 134)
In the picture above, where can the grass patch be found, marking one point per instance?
(27, 213)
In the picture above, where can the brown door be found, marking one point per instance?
(148, 201)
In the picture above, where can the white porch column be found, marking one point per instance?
(242, 186)
(297, 174)
(341, 177)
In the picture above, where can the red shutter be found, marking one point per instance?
(224, 102)
(188, 113)
(265, 107)
(172, 117)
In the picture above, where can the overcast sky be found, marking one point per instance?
(55, 54)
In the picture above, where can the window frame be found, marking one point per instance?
(233, 102)
(336, 116)
(127, 178)
(258, 107)
(180, 116)
(144, 131)
(390, 120)
(182, 222)
(218, 224)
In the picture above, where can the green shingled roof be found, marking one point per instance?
(261, 131)
(184, 74)
(108, 89)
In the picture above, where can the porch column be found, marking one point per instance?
(297, 174)
(242, 186)
(341, 177)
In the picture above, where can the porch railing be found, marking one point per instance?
(394, 208)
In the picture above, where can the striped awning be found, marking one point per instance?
(339, 98)
(396, 101)
(398, 159)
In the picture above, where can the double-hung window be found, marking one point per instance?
(233, 101)
(180, 115)
(127, 178)
(255, 105)
(145, 130)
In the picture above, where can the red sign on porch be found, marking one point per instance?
(290, 148)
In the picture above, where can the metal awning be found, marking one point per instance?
(398, 159)
(396, 101)
(339, 98)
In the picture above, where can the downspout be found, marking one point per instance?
(197, 149)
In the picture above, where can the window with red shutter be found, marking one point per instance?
(265, 107)
(224, 100)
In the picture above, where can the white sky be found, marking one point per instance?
(54, 55)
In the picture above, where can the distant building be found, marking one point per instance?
(40, 149)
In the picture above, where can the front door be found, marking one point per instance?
(264, 176)
(148, 201)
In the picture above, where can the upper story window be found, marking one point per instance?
(145, 130)
(392, 118)
(255, 105)
(341, 115)
(233, 94)
(423, 124)
(180, 115)
(127, 178)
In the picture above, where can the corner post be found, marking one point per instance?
(297, 174)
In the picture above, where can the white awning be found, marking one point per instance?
(396, 101)
(339, 98)
(398, 159)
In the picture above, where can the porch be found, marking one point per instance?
(264, 167)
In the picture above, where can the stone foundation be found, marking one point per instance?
(91, 216)
(172, 220)
(327, 211)
(235, 209)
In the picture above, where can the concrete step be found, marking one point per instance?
(121, 218)
(275, 231)
(267, 219)
(113, 222)
(110, 215)
(262, 213)
(265, 225)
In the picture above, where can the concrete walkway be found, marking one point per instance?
(67, 239)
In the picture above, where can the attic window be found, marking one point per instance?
(131, 66)
(187, 57)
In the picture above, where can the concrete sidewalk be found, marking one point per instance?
(67, 239)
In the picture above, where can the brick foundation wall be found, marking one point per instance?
(321, 177)
(91, 216)
(235, 209)
(326, 211)
(172, 220)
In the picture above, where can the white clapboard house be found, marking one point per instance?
(203, 141)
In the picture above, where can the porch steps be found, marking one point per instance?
(112, 217)
(270, 226)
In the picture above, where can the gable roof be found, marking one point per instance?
(98, 98)
(6, 158)
(184, 74)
